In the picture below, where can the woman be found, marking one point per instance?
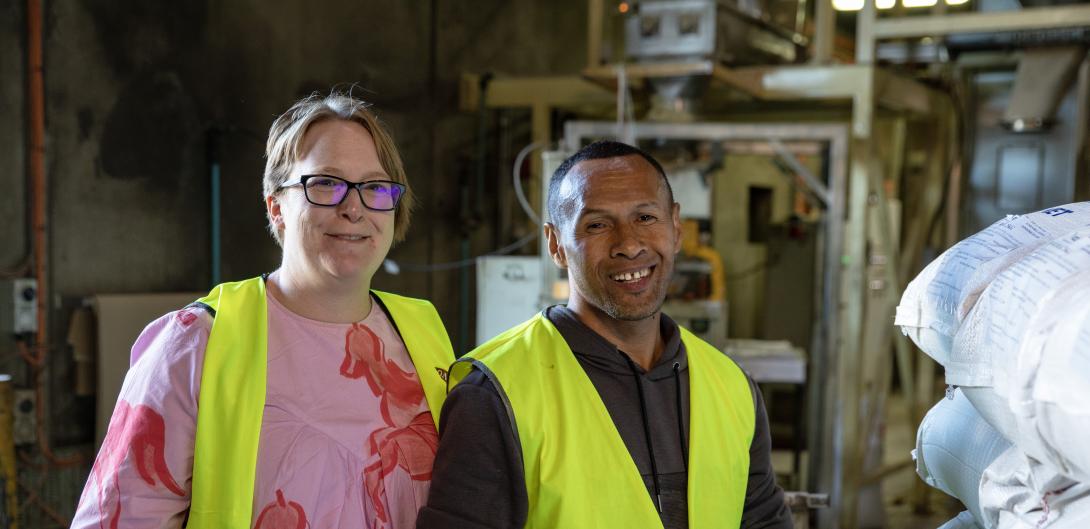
(315, 392)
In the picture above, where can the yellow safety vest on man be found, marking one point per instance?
(232, 396)
(578, 471)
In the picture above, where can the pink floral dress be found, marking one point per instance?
(347, 438)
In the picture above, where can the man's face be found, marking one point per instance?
(620, 237)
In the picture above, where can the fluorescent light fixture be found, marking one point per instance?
(856, 5)
(847, 5)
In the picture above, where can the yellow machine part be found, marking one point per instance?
(7, 451)
(690, 245)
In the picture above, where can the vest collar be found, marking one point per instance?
(595, 350)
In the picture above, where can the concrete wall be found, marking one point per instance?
(13, 211)
(132, 89)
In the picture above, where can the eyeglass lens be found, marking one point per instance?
(330, 191)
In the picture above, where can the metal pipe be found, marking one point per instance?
(824, 32)
(812, 182)
(36, 113)
(887, 471)
(1043, 18)
(36, 156)
(215, 231)
(472, 211)
(864, 33)
(690, 245)
(482, 144)
(462, 341)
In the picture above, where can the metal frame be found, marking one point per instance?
(827, 365)
(869, 30)
(836, 442)
(837, 368)
(982, 21)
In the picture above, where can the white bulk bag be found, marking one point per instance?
(953, 447)
(1050, 383)
(987, 344)
(937, 300)
(994, 408)
(1018, 492)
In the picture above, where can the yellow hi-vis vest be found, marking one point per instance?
(232, 396)
(578, 471)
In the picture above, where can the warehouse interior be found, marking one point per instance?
(824, 152)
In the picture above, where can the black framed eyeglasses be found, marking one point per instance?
(326, 190)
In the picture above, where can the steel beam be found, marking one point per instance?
(864, 33)
(981, 22)
(824, 32)
(576, 131)
(519, 92)
(812, 182)
(637, 72)
(594, 32)
(892, 91)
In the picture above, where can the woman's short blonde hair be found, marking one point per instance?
(282, 149)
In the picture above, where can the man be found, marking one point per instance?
(604, 413)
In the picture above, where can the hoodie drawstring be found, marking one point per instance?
(646, 431)
(680, 420)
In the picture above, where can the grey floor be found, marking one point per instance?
(896, 491)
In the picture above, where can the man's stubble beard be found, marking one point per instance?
(616, 310)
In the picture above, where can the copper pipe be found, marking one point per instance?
(36, 113)
(43, 441)
(21, 348)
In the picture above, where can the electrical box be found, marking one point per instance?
(24, 426)
(18, 306)
(507, 292)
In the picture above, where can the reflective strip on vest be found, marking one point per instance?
(578, 470)
(232, 394)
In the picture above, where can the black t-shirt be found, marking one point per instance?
(478, 477)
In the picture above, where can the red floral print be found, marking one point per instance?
(281, 514)
(186, 318)
(409, 440)
(140, 431)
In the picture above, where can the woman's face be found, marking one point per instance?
(343, 242)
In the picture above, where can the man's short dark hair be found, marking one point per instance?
(595, 151)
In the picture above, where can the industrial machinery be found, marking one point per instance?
(722, 31)
(825, 185)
